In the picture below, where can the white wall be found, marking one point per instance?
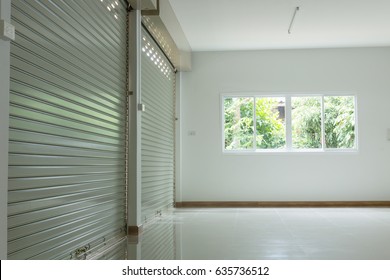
(209, 175)
(5, 10)
(173, 26)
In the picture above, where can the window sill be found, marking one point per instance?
(292, 151)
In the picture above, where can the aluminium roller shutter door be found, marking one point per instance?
(157, 129)
(68, 108)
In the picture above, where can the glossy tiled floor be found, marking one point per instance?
(269, 233)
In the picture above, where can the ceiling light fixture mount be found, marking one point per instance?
(292, 20)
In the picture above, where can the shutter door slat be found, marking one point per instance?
(63, 55)
(18, 111)
(55, 232)
(40, 149)
(76, 78)
(37, 127)
(23, 206)
(31, 160)
(58, 24)
(66, 241)
(42, 138)
(31, 183)
(58, 102)
(116, 252)
(157, 131)
(52, 108)
(62, 190)
(60, 221)
(101, 22)
(57, 212)
(161, 243)
(67, 130)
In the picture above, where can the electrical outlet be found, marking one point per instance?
(191, 133)
(7, 30)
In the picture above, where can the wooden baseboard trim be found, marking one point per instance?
(134, 230)
(282, 204)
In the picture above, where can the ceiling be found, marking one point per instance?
(263, 24)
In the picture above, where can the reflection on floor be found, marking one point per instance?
(270, 233)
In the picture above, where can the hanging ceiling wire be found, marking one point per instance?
(292, 20)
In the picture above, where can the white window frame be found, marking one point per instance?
(288, 120)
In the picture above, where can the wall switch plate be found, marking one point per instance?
(388, 134)
(7, 30)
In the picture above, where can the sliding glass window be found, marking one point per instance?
(289, 123)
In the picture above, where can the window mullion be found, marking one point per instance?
(254, 124)
(322, 123)
(288, 124)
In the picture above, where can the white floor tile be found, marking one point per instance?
(268, 233)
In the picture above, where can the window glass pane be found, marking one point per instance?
(306, 122)
(238, 127)
(270, 123)
(339, 121)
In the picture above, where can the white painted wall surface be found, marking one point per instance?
(210, 175)
(5, 11)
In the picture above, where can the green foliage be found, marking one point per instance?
(238, 123)
(239, 128)
(339, 121)
(271, 133)
(306, 122)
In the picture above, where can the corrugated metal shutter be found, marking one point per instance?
(159, 241)
(115, 252)
(157, 129)
(68, 109)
